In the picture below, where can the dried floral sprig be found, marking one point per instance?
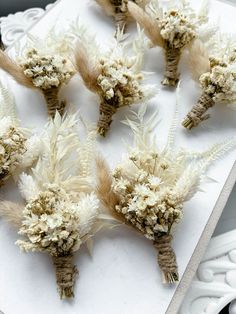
(18, 149)
(114, 76)
(216, 76)
(61, 209)
(149, 188)
(118, 9)
(45, 68)
(172, 29)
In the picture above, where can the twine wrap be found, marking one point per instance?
(53, 103)
(197, 114)
(172, 56)
(65, 274)
(166, 258)
(106, 113)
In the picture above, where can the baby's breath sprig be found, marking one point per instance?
(114, 76)
(149, 188)
(215, 72)
(172, 29)
(46, 69)
(119, 11)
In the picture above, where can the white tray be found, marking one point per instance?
(122, 276)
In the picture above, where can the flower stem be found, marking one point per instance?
(166, 258)
(172, 56)
(53, 103)
(197, 114)
(65, 273)
(106, 113)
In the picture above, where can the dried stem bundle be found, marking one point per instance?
(18, 149)
(61, 207)
(173, 29)
(149, 188)
(118, 9)
(46, 71)
(216, 76)
(114, 76)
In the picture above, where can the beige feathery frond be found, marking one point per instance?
(107, 7)
(86, 67)
(149, 24)
(9, 66)
(104, 189)
(198, 59)
(11, 212)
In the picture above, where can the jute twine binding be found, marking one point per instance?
(172, 56)
(197, 114)
(106, 113)
(53, 103)
(166, 258)
(65, 273)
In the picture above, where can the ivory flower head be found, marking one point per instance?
(17, 149)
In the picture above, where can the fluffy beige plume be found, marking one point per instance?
(88, 70)
(149, 24)
(198, 59)
(9, 66)
(11, 212)
(107, 7)
(104, 189)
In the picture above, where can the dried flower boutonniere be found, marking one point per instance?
(172, 29)
(114, 76)
(119, 11)
(42, 67)
(61, 207)
(18, 149)
(216, 75)
(149, 188)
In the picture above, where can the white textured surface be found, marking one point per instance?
(123, 275)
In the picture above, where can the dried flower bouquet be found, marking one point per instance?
(173, 29)
(215, 71)
(44, 66)
(18, 148)
(119, 11)
(61, 207)
(149, 188)
(114, 76)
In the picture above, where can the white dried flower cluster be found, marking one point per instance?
(177, 29)
(119, 82)
(220, 82)
(54, 223)
(12, 148)
(146, 200)
(61, 207)
(46, 71)
(17, 149)
(179, 23)
(151, 184)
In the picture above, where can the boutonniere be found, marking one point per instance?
(149, 188)
(43, 65)
(173, 29)
(215, 74)
(118, 9)
(115, 76)
(18, 148)
(61, 206)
